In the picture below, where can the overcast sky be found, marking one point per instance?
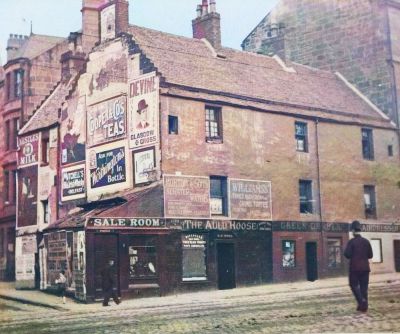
(59, 17)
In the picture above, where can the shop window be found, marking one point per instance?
(194, 257)
(218, 195)
(301, 134)
(45, 151)
(334, 253)
(376, 245)
(305, 193)
(370, 202)
(390, 150)
(142, 262)
(367, 144)
(288, 253)
(213, 124)
(172, 125)
(46, 213)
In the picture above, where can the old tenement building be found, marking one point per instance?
(197, 166)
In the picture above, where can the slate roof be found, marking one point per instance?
(35, 45)
(189, 62)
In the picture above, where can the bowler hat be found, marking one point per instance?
(142, 105)
(356, 226)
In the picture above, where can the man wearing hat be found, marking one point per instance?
(359, 251)
(142, 111)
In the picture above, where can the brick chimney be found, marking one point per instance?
(73, 60)
(91, 23)
(114, 18)
(207, 24)
(14, 43)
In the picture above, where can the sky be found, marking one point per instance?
(60, 17)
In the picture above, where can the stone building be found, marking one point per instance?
(196, 166)
(358, 38)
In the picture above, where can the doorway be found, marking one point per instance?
(396, 244)
(312, 261)
(226, 266)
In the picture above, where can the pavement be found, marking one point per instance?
(51, 301)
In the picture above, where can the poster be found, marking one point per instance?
(186, 196)
(144, 166)
(106, 121)
(107, 167)
(57, 255)
(27, 190)
(143, 111)
(73, 183)
(28, 151)
(72, 130)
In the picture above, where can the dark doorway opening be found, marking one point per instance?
(312, 261)
(396, 244)
(226, 266)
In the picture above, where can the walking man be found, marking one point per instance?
(359, 251)
(107, 284)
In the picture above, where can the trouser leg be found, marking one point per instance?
(354, 283)
(364, 281)
(115, 297)
(106, 297)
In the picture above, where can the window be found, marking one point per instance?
(1, 242)
(14, 134)
(370, 202)
(194, 257)
(7, 192)
(142, 260)
(213, 123)
(45, 150)
(334, 253)
(18, 83)
(46, 214)
(8, 135)
(10, 186)
(367, 144)
(8, 86)
(301, 136)
(14, 186)
(172, 125)
(218, 195)
(376, 245)
(305, 192)
(390, 150)
(288, 253)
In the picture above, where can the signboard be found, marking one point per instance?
(72, 130)
(250, 199)
(106, 121)
(186, 196)
(144, 162)
(143, 111)
(297, 226)
(114, 223)
(28, 150)
(220, 225)
(107, 168)
(73, 183)
(27, 190)
(56, 254)
(107, 25)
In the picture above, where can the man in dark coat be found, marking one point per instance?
(359, 251)
(107, 284)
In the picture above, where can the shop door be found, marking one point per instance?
(226, 266)
(106, 248)
(312, 261)
(396, 255)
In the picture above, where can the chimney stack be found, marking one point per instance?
(14, 43)
(91, 23)
(207, 24)
(73, 60)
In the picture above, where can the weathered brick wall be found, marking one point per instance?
(346, 36)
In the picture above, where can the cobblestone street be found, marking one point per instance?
(322, 306)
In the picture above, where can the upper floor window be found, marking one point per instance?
(8, 86)
(367, 144)
(390, 150)
(11, 132)
(46, 214)
(10, 183)
(172, 125)
(213, 123)
(305, 194)
(218, 195)
(18, 83)
(370, 202)
(45, 150)
(301, 134)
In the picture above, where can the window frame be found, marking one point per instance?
(46, 211)
(217, 120)
(390, 150)
(283, 248)
(45, 150)
(309, 197)
(370, 213)
(304, 137)
(367, 143)
(223, 194)
(6, 186)
(173, 125)
(18, 82)
(338, 250)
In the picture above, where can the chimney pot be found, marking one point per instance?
(213, 6)
(204, 7)
(198, 10)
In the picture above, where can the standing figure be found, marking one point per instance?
(359, 251)
(107, 284)
(61, 282)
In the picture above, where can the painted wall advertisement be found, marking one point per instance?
(25, 257)
(72, 130)
(27, 190)
(58, 255)
(79, 265)
(28, 150)
(250, 199)
(107, 167)
(186, 196)
(143, 111)
(73, 183)
(144, 163)
(106, 121)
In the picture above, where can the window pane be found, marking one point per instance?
(376, 245)
(213, 122)
(334, 253)
(288, 254)
(142, 262)
(367, 144)
(6, 176)
(305, 195)
(369, 201)
(194, 257)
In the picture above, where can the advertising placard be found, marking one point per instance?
(28, 191)
(106, 121)
(107, 167)
(186, 196)
(28, 150)
(73, 183)
(143, 164)
(250, 199)
(56, 254)
(143, 111)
